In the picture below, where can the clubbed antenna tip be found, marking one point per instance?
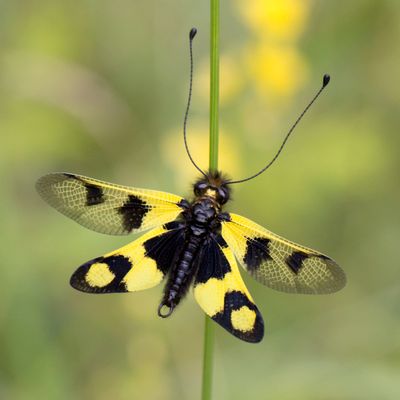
(325, 80)
(192, 33)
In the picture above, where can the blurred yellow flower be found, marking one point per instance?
(284, 19)
(175, 154)
(231, 79)
(277, 70)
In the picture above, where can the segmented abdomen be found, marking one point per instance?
(200, 222)
(182, 273)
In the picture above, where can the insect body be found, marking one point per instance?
(201, 224)
(189, 244)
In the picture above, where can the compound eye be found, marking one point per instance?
(222, 196)
(200, 188)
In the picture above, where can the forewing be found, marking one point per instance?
(139, 265)
(106, 207)
(279, 263)
(222, 294)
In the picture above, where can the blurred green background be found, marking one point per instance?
(99, 88)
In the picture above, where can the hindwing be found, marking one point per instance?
(222, 294)
(106, 207)
(279, 263)
(139, 265)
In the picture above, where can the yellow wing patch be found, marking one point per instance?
(211, 294)
(99, 275)
(106, 207)
(145, 275)
(278, 263)
(243, 319)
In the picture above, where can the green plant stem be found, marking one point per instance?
(208, 358)
(214, 85)
(213, 165)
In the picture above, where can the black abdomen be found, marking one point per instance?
(201, 221)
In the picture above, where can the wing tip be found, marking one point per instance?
(253, 335)
(77, 284)
(99, 275)
(339, 278)
(45, 182)
(257, 334)
(78, 278)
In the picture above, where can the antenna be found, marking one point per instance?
(325, 80)
(192, 34)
